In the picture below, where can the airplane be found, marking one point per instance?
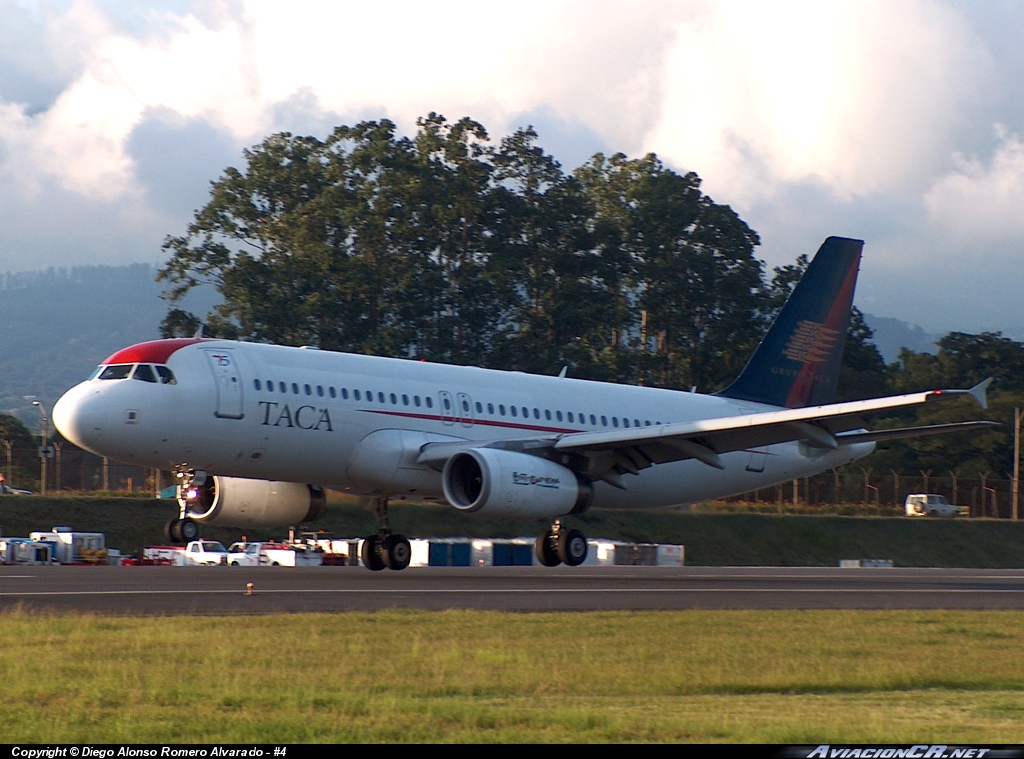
(255, 432)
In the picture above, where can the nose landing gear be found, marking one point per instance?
(184, 529)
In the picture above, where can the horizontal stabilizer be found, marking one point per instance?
(849, 438)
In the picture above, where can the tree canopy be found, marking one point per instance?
(450, 247)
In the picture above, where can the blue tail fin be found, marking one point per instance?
(797, 363)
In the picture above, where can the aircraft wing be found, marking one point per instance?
(608, 454)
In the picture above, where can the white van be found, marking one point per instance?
(929, 505)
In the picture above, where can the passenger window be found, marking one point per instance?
(356, 394)
(144, 372)
(256, 383)
(615, 421)
(490, 409)
(501, 409)
(593, 420)
(547, 414)
(558, 415)
(344, 393)
(320, 391)
(295, 388)
(526, 413)
(416, 400)
(571, 417)
(536, 413)
(331, 389)
(430, 402)
(308, 389)
(117, 371)
(604, 421)
(380, 396)
(270, 384)
(394, 400)
(513, 410)
(405, 399)
(282, 387)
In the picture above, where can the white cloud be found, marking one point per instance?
(861, 95)
(980, 203)
(849, 117)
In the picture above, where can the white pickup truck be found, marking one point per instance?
(244, 554)
(196, 553)
(930, 505)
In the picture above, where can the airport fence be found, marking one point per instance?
(983, 495)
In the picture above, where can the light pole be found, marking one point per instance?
(42, 449)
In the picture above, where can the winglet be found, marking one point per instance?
(978, 392)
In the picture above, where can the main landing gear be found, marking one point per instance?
(560, 545)
(184, 529)
(384, 550)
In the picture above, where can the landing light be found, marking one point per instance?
(191, 494)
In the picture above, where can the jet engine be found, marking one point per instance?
(510, 484)
(238, 502)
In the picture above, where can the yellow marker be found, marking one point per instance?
(248, 589)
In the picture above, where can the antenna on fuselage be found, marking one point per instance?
(561, 374)
(199, 332)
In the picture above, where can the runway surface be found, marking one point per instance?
(222, 590)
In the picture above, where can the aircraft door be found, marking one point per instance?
(228, 381)
(464, 409)
(447, 404)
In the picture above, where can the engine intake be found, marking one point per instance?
(512, 484)
(239, 502)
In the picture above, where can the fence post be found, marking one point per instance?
(56, 452)
(8, 444)
(1016, 462)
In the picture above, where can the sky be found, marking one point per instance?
(901, 124)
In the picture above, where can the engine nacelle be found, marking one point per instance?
(511, 484)
(238, 502)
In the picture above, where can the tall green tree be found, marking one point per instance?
(693, 282)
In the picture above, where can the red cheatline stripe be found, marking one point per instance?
(482, 422)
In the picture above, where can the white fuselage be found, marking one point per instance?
(348, 422)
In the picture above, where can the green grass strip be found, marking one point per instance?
(464, 676)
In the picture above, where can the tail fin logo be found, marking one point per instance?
(811, 342)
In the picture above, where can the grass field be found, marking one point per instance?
(395, 676)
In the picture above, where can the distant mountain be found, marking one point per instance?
(57, 325)
(892, 334)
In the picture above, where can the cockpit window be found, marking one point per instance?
(144, 372)
(166, 376)
(115, 372)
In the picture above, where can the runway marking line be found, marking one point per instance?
(425, 591)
